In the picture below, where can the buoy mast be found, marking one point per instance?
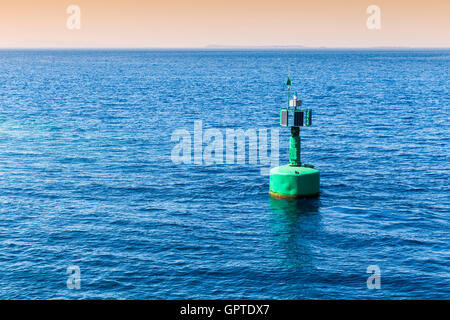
(299, 118)
(295, 179)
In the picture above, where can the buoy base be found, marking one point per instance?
(291, 182)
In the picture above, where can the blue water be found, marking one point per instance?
(86, 176)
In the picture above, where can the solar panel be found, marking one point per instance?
(284, 117)
(309, 117)
(298, 118)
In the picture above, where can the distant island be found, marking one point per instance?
(294, 47)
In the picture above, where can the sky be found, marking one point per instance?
(240, 23)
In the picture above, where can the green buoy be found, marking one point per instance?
(294, 180)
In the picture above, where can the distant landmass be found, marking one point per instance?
(218, 46)
(293, 47)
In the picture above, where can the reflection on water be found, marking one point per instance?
(294, 224)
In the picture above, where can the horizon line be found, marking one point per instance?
(231, 47)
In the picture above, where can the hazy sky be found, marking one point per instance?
(199, 23)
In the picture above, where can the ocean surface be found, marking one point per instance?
(87, 178)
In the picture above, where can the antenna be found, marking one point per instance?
(288, 83)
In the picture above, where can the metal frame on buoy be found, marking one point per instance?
(295, 118)
(295, 179)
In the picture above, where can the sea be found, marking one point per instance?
(93, 204)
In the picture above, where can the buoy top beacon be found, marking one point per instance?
(294, 180)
